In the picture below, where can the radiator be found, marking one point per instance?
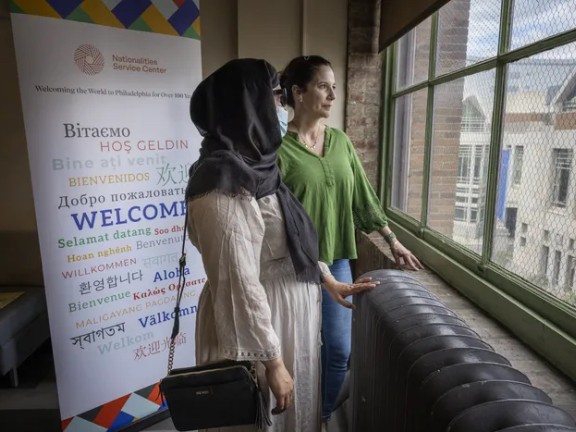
(417, 367)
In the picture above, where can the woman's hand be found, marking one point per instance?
(280, 383)
(340, 290)
(403, 257)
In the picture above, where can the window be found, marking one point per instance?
(517, 167)
(491, 140)
(478, 159)
(562, 160)
(473, 215)
(570, 271)
(544, 253)
(460, 214)
(556, 267)
(464, 162)
(559, 240)
(524, 137)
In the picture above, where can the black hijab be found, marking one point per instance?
(234, 111)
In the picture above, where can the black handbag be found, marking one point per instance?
(219, 394)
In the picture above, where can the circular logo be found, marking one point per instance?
(88, 59)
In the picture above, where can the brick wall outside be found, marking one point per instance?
(452, 41)
(418, 123)
(444, 165)
(363, 106)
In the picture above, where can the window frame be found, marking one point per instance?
(519, 304)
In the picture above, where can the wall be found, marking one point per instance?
(277, 30)
(364, 87)
(19, 249)
(273, 29)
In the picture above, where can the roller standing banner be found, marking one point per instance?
(105, 87)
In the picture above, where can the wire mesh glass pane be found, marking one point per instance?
(534, 20)
(460, 150)
(413, 56)
(467, 33)
(408, 158)
(536, 212)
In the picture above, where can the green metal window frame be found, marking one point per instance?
(544, 322)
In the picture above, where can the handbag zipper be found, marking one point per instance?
(251, 372)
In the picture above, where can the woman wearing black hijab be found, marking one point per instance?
(258, 246)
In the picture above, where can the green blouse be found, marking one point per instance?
(334, 190)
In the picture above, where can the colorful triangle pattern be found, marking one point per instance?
(171, 17)
(117, 413)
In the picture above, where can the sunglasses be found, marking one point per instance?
(282, 93)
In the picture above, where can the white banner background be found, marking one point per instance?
(96, 280)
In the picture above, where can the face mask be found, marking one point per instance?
(282, 119)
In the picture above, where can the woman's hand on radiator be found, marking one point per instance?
(340, 290)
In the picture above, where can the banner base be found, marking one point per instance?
(147, 421)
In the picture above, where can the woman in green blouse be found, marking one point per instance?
(320, 166)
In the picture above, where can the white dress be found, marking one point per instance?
(252, 307)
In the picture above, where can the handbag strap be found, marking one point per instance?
(181, 283)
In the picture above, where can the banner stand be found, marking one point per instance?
(105, 88)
